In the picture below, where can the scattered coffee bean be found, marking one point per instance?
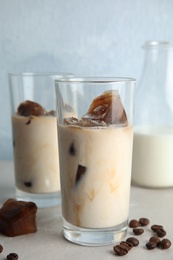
(151, 245)
(134, 223)
(138, 231)
(144, 221)
(123, 248)
(1, 248)
(12, 256)
(120, 250)
(165, 243)
(160, 232)
(127, 244)
(133, 240)
(155, 239)
(155, 227)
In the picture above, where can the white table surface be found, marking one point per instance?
(48, 242)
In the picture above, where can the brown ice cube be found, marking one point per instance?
(30, 108)
(84, 122)
(71, 121)
(81, 170)
(107, 108)
(18, 218)
(51, 113)
(87, 122)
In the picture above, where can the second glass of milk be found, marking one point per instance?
(34, 130)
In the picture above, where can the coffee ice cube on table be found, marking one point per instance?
(18, 218)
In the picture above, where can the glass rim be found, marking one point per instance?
(154, 44)
(96, 80)
(40, 74)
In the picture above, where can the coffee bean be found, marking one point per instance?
(134, 223)
(1, 248)
(127, 244)
(133, 240)
(120, 250)
(155, 239)
(144, 221)
(155, 227)
(160, 232)
(138, 231)
(12, 256)
(151, 245)
(165, 243)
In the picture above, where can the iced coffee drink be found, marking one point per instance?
(95, 156)
(36, 154)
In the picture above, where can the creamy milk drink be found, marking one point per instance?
(35, 149)
(95, 156)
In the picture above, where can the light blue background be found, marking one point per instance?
(85, 37)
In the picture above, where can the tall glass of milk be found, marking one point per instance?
(153, 133)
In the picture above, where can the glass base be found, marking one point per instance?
(43, 200)
(94, 237)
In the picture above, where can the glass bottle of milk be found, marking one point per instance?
(153, 133)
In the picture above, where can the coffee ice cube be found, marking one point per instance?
(107, 108)
(72, 149)
(30, 108)
(87, 122)
(81, 170)
(71, 121)
(18, 218)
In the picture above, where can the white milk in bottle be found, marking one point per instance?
(153, 157)
(153, 133)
